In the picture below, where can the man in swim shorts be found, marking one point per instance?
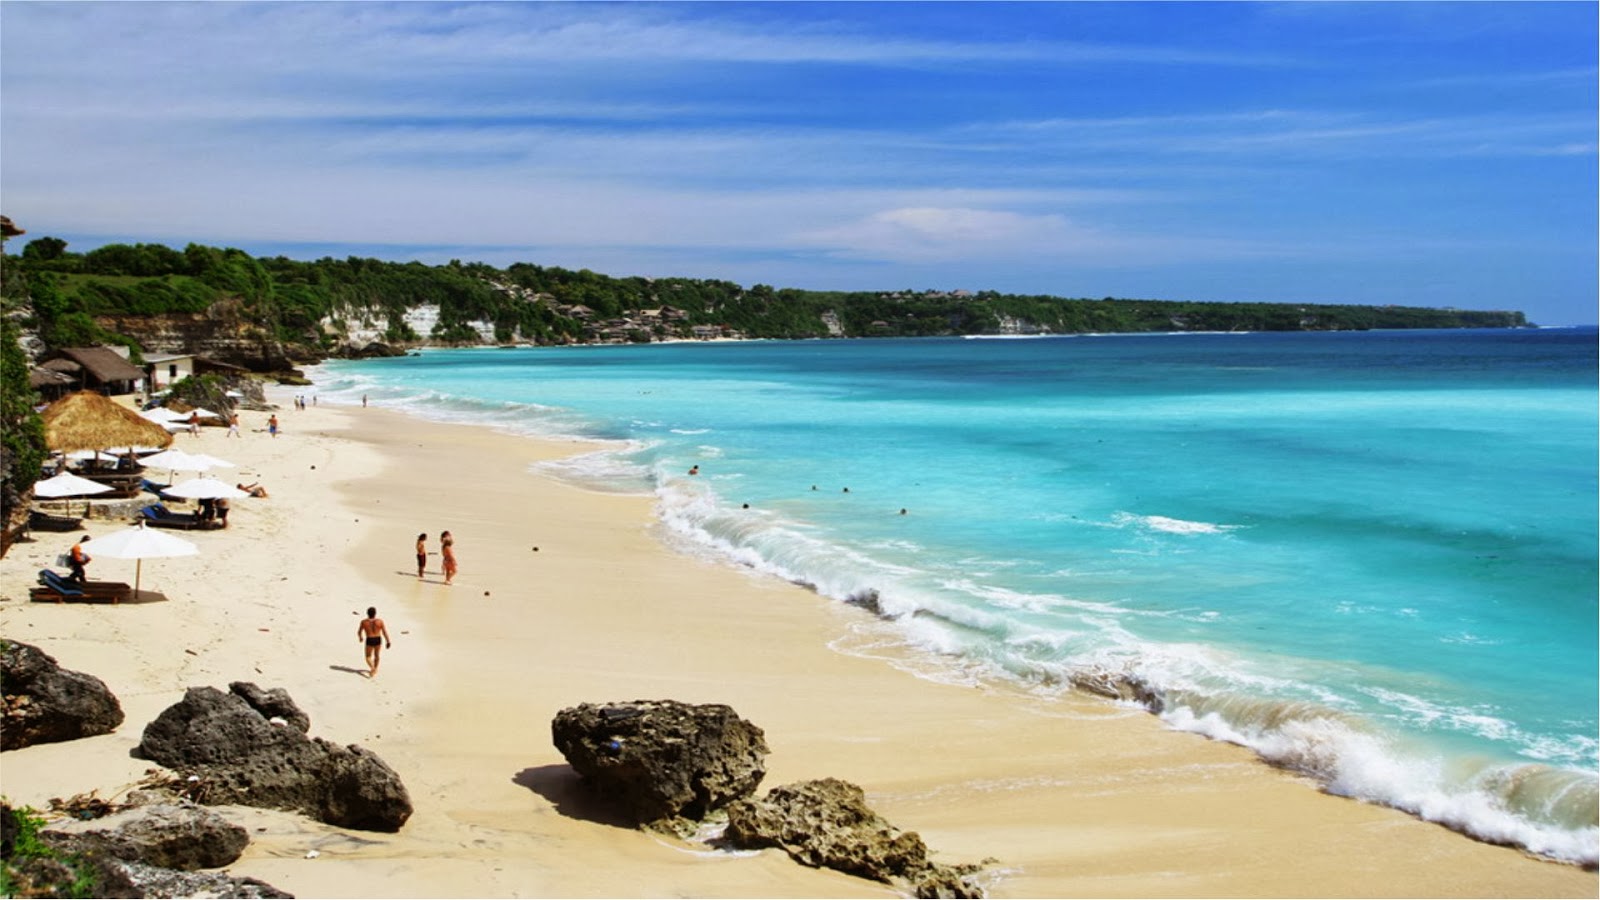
(372, 632)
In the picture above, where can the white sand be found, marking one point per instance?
(1073, 797)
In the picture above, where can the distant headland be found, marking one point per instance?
(269, 314)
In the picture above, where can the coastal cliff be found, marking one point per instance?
(270, 314)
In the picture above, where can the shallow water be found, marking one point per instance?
(1369, 556)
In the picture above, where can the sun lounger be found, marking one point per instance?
(58, 588)
(158, 516)
(42, 521)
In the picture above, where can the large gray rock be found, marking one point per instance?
(65, 865)
(141, 880)
(242, 757)
(176, 835)
(45, 703)
(826, 823)
(662, 761)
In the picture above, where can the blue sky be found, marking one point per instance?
(1437, 154)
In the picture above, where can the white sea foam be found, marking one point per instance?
(1170, 525)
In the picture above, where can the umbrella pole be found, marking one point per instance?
(138, 569)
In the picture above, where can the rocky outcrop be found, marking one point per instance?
(1123, 686)
(374, 350)
(662, 761)
(827, 824)
(171, 835)
(45, 703)
(250, 746)
(140, 880)
(57, 864)
(224, 332)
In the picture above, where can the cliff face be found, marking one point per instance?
(221, 333)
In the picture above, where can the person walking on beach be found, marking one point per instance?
(194, 423)
(77, 558)
(272, 424)
(233, 425)
(375, 636)
(363, 401)
(422, 554)
(447, 550)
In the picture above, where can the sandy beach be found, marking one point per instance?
(566, 596)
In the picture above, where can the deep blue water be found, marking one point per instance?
(1370, 556)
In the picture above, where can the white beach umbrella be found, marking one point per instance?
(139, 544)
(97, 455)
(212, 462)
(204, 489)
(176, 460)
(67, 485)
(203, 413)
(162, 414)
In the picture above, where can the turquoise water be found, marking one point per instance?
(1371, 557)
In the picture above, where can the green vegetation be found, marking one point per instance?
(22, 447)
(73, 294)
(30, 868)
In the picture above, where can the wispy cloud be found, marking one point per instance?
(827, 141)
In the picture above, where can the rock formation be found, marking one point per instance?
(250, 746)
(45, 703)
(662, 761)
(827, 823)
(110, 861)
(171, 835)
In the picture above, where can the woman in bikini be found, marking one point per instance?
(447, 550)
(422, 554)
(372, 632)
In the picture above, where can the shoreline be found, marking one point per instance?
(1073, 796)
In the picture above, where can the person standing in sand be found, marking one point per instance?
(272, 424)
(447, 545)
(77, 559)
(233, 425)
(422, 554)
(375, 636)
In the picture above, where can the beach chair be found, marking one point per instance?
(42, 521)
(156, 515)
(58, 588)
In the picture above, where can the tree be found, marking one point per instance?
(22, 447)
(44, 249)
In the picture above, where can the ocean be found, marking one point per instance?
(1370, 557)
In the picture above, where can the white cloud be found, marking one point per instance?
(926, 233)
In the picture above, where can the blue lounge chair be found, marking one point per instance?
(57, 587)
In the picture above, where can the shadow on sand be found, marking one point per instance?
(361, 672)
(563, 787)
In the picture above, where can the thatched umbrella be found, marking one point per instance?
(89, 421)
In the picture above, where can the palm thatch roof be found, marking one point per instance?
(88, 421)
(39, 376)
(103, 363)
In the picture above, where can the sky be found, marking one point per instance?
(1429, 154)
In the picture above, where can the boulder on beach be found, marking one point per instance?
(171, 835)
(662, 761)
(826, 823)
(248, 747)
(45, 703)
(105, 858)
